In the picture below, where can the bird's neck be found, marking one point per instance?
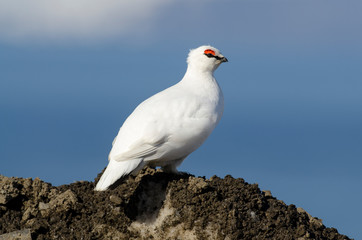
(196, 74)
(200, 82)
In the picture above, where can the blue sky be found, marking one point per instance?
(70, 73)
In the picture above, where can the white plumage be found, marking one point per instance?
(164, 129)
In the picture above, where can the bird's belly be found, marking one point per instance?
(188, 137)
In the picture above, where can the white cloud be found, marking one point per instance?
(75, 19)
(240, 23)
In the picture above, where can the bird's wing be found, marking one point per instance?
(150, 126)
(138, 150)
(140, 136)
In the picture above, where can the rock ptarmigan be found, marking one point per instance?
(164, 129)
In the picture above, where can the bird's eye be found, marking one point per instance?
(209, 52)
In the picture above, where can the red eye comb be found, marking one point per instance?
(209, 51)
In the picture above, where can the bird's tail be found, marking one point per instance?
(115, 170)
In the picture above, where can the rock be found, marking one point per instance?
(154, 205)
(107, 232)
(43, 206)
(28, 214)
(9, 189)
(24, 234)
(116, 200)
(267, 193)
(197, 185)
(316, 221)
(301, 210)
(63, 202)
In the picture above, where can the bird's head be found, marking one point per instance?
(205, 58)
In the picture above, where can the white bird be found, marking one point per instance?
(164, 129)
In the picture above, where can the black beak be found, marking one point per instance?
(224, 59)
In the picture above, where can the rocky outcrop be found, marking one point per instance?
(153, 205)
